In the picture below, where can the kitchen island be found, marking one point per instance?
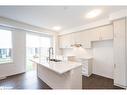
(60, 75)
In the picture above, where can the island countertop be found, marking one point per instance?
(58, 67)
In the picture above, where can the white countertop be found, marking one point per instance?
(58, 67)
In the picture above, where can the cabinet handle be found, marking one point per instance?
(114, 65)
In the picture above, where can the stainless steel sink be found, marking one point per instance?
(55, 60)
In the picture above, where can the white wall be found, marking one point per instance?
(103, 58)
(18, 65)
(69, 52)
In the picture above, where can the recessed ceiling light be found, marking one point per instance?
(93, 13)
(56, 28)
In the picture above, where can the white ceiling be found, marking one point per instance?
(67, 17)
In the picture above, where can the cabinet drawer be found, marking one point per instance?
(85, 67)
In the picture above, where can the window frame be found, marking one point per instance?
(12, 59)
(41, 35)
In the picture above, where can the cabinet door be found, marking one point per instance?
(83, 38)
(119, 52)
(79, 37)
(69, 40)
(101, 33)
(94, 34)
(66, 41)
(106, 32)
(62, 42)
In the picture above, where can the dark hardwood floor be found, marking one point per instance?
(27, 80)
(98, 82)
(30, 80)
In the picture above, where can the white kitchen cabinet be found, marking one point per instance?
(66, 41)
(93, 34)
(101, 33)
(86, 64)
(97, 34)
(62, 42)
(86, 37)
(87, 67)
(120, 52)
(106, 33)
(83, 39)
(79, 37)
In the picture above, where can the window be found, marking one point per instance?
(5, 46)
(37, 47)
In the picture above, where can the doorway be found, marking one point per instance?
(37, 46)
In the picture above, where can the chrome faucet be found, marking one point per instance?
(50, 52)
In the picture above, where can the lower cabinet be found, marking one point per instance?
(87, 67)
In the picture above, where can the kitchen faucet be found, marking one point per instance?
(50, 52)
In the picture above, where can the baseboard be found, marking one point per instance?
(16, 74)
(1, 78)
(103, 76)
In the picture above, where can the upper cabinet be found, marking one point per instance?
(66, 41)
(101, 33)
(93, 34)
(106, 33)
(81, 38)
(85, 37)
